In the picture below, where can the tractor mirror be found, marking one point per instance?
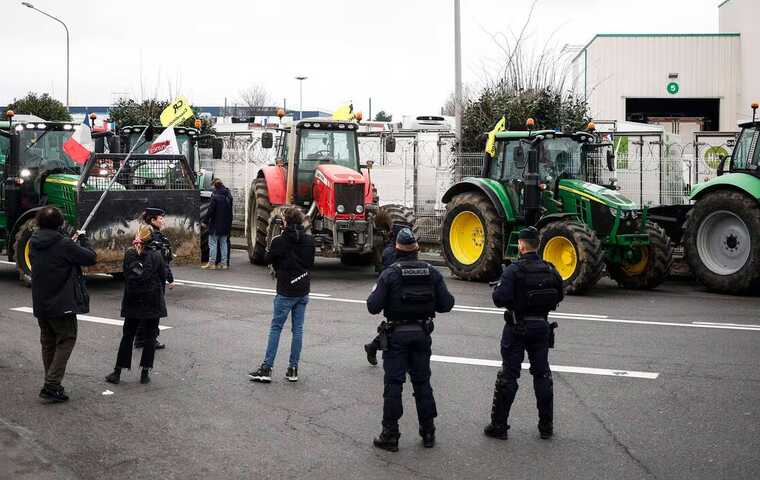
(610, 161)
(267, 140)
(722, 164)
(390, 144)
(217, 147)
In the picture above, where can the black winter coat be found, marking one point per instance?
(56, 266)
(292, 255)
(144, 277)
(219, 217)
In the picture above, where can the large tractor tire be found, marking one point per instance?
(575, 251)
(259, 211)
(653, 265)
(722, 242)
(386, 217)
(22, 249)
(472, 237)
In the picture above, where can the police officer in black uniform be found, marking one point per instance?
(529, 289)
(389, 256)
(155, 218)
(409, 293)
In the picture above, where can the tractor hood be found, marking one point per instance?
(744, 182)
(598, 193)
(332, 174)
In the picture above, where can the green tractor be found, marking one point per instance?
(721, 237)
(551, 180)
(36, 171)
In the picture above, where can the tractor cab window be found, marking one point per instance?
(5, 152)
(557, 156)
(323, 147)
(282, 148)
(42, 150)
(744, 148)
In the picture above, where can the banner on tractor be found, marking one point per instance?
(165, 144)
(177, 112)
(501, 125)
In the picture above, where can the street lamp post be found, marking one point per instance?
(458, 74)
(29, 5)
(300, 95)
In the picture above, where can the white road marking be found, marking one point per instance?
(555, 368)
(89, 318)
(731, 324)
(239, 287)
(6, 262)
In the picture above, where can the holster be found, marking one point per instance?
(552, 326)
(383, 330)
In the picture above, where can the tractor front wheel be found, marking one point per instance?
(576, 253)
(22, 250)
(722, 242)
(650, 267)
(259, 211)
(472, 237)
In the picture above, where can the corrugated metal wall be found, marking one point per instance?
(615, 67)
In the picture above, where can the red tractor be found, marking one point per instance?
(317, 169)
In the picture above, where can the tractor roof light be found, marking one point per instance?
(591, 126)
(280, 113)
(754, 106)
(530, 123)
(67, 126)
(30, 125)
(9, 114)
(26, 173)
(93, 116)
(19, 128)
(358, 116)
(41, 126)
(198, 123)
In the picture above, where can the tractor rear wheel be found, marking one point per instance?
(722, 242)
(472, 237)
(652, 265)
(22, 250)
(259, 211)
(575, 251)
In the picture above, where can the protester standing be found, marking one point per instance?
(292, 256)
(58, 294)
(143, 302)
(155, 218)
(219, 223)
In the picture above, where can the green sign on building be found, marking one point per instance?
(673, 88)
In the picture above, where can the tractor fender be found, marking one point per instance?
(12, 232)
(555, 217)
(492, 189)
(740, 182)
(276, 178)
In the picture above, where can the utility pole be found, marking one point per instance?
(370, 109)
(458, 74)
(29, 5)
(300, 95)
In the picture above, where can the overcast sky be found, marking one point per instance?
(399, 52)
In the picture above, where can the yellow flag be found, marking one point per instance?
(344, 112)
(177, 112)
(501, 125)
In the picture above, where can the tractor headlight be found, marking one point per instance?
(138, 181)
(159, 182)
(614, 212)
(26, 173)
(359, 208)
(341, 209)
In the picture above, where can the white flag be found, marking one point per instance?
(165, 144)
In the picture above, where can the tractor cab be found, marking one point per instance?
(746, 155)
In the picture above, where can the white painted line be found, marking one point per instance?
(6, 262)
(501, 310)
(555, 368)
(89, 318)
(730, 324)
(239, 287)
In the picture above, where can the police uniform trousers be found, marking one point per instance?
(408, 351)
(536, 340)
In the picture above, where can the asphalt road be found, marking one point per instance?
(660, 384)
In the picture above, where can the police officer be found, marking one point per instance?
(528, 289)
(154, 217)
(388, 257)
(409, 293)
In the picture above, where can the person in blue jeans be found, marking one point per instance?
(292, 256)
(219, 223)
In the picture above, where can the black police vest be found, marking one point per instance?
(415, 299)
(537, 288)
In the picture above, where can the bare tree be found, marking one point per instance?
(254, 98)
(449, 106)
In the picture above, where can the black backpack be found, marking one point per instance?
(538, 288)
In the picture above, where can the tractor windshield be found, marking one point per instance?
(557, 156)
(43, 150)
(327, 146)
(183, 142)
(747, 146)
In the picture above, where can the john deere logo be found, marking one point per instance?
(673, 88)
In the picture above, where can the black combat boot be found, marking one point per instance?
(427, 432)
(388, 439)
(145, 376)
(499, 412)
(371, 350)
(545, 429)
(115, 376)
